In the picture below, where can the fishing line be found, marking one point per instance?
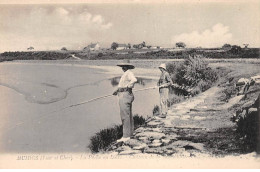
(70, 106)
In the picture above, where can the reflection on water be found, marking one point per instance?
(140, 81)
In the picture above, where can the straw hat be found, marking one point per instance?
(127, 64)
(163, 65)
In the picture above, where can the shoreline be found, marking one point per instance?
(192, 126)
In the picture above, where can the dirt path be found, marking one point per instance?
(198, 127)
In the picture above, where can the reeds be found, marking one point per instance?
(102, 140)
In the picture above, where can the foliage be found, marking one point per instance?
(30, 48)
(193, 73)
(64, 49)
(247, 128)
(180, 45)
(102, 140)
(139, 46)
(156, 110)
(150, 54)
(226, 46)
(100, 54)
(114, 46)
(138, 121)
(235, 49)
(33, 55)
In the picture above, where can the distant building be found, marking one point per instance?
(122, 47)
(153, 47)
(93, 47)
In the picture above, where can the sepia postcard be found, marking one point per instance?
(133, 84)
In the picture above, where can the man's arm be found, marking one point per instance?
(169, 81)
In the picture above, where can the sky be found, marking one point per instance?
(74, 26)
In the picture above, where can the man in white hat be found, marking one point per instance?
(164, 83)
(126, 98)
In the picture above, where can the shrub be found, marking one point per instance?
(156, 110)
(102, 140)
(247, 128)
(138, 121)
(192, 73)
(100, 54)
(235, 49)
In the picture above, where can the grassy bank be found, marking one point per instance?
(102, 140)
(131, 54)
(192, 73)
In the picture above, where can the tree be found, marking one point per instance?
(226, 47)
(143, 44)
(180, 45)
(86, 49)
(129, 46)
(114, 46)
(235, 49)
(30, 48)
(64, 49)
(135, 46)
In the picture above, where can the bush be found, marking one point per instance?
(100, 54)
(192, 73)
(102, 140)
(235, 49)
(138, 121)
(156, 110)
(247, 128)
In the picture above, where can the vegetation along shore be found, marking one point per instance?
(212, 120)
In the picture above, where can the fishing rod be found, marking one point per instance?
(109, 95)
(73, 105)
(81, 103)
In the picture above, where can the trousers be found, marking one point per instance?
(125, 103)
(164, 93)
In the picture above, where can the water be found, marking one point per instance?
(33, 95)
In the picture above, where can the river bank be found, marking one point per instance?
(77, 77)
(200, 127)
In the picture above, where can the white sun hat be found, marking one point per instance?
(163, 65)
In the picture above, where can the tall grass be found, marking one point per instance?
(248, 130)
(193, 73)
(102, 140)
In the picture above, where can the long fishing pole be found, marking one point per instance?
(109, 95)
(73, 105)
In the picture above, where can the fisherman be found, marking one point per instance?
(126, 98)
(164, 83)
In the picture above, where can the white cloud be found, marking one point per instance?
(214, 37)
(61, 11)
(46, 27)
(98, 19)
